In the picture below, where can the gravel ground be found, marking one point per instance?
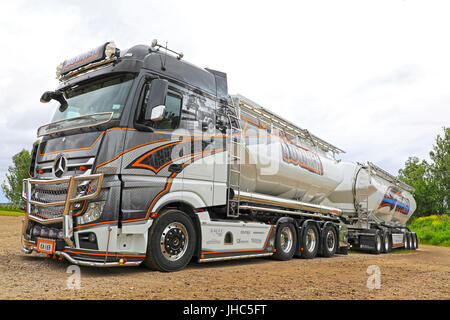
(420, 274)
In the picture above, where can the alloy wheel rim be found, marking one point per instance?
(310, 240)
(174, 241)
(286, 239)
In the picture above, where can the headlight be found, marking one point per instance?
(93, 212)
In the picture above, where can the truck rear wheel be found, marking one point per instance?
(285, 241)
(171, 242)
(329, 241)
(309, 243)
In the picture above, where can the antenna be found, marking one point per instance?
(155, 45)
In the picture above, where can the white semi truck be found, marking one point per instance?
(148, 160)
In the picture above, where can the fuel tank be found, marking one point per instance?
(274, 165)
(368, 188)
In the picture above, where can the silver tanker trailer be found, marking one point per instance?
(148, 160)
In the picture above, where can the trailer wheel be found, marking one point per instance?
(171, 242)
(406, 241)
(329, 241)
(285, 241)
(387, 243)
(416, 240)
(309, 244)
(412, 240)
(378, 239)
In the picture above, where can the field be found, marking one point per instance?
(433, 229)
(420, 274)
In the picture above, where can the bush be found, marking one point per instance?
(432, 229)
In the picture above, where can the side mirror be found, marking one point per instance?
(55, 95)
(158, 113)
(46, 96)
(156, 100)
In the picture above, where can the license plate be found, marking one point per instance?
(46, 246)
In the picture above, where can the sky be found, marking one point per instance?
(370, 77)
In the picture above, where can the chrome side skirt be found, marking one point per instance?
(236, 257)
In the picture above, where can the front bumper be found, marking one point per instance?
(58, 193)
(50, 205)
(29, 248)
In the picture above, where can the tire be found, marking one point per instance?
(309, 244)
(285, 241)
(406, 241)
(413, 241)
(387, 243)
(171, 242)
(416, 239)
(378, 240)
(329, 241)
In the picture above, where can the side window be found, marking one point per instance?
(171, 118)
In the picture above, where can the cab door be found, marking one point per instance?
(150, 165)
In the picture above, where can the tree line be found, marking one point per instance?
(431, 180)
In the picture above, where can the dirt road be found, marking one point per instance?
(421, 274)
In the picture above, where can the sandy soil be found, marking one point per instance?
(421, 274)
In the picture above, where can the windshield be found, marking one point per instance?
(106, 95)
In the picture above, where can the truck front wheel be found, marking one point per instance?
(171, 241)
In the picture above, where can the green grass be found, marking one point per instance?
(11, 212)
(434, 230)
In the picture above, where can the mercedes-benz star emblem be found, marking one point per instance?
(59, 166)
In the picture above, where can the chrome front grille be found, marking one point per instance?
(48, 193)
(47, 212)
(50, 199)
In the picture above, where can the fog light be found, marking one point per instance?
(91, 237)
(59, 69)
(36, 231)
(110, 50)
(53, 233)
(44, 232)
